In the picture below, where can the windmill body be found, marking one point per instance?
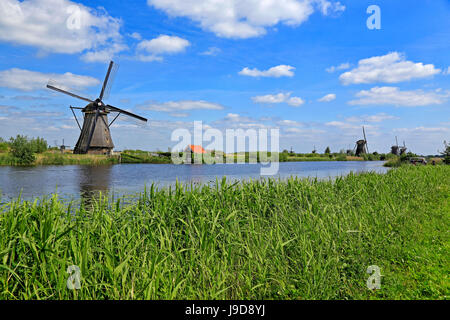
(361, 145)
(101, 141)
(95, 137)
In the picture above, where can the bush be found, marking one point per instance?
(22, 150)
(39, 145)
(446, 153)
(3, 146)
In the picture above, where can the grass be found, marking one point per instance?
(292, 239)
(138, 156)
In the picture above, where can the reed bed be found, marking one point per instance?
(291, 239)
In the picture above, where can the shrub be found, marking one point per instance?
(446, 153)
(22, 150)
(39, 145)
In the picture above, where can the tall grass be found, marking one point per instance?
(294, 239)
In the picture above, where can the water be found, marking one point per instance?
(75, 181)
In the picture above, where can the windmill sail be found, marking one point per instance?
(95, 134)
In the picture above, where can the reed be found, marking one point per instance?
(269, 239)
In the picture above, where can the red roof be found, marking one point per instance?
(196, 149)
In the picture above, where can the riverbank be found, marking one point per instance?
(295, 239)
(58, 158)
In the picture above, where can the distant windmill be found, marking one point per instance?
(361, 145)
(395, 149)
(314, 151)
(403, 149)
(95, 135)
(63, 147)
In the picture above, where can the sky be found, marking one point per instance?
(311, 68)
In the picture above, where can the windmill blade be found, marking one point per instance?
(54, 86)
(112, 108)
(365, 139)
(91, 134)
(109, 80)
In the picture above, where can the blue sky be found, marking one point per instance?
(311, 68)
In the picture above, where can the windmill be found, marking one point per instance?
(62, 147)
(361, 145)
(95, 137)
(395, 149)
(403, 149)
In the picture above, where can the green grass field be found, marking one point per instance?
(294, 239)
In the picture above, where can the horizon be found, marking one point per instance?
(318, 73)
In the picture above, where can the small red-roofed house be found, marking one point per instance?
(194, 149)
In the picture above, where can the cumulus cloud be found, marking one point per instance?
(380, 117)
(61, 26)
(390, 68)
(245, 18)
(212, 51)
(394, 96)
(26, 80)
(342, 66)
(289, 123)
(161, 45)
(275, 72)
(279, 98)
(182, 105)
(327, 98)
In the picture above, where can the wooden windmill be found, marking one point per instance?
(62, 147)
(361, 145)
(403, 149)
(95, 137)
(395, 149)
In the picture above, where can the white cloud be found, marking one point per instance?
(136, 36)
(380, 117)
(342, 66)
(161, 45)
(420, 130)
(275, 72)
(279, 98)
(394, 96)
(60, 26)
(342, 125)
(26, 80)
(179, 115)
(175, 106)
(327, 98)
(212, 51)
(244, 18)
(390, 68)
(291, 123)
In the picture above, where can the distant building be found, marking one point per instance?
(194, 149)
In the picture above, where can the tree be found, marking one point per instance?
(39, 145)
(446, 153)
(22, 150)
(3, 145)
(327, 150)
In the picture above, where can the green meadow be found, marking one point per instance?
(269, 239)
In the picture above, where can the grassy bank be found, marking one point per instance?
(295, 239)
(138, 156)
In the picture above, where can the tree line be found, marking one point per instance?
(23, 149)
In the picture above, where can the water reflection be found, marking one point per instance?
(86, 182)
(93, 181)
